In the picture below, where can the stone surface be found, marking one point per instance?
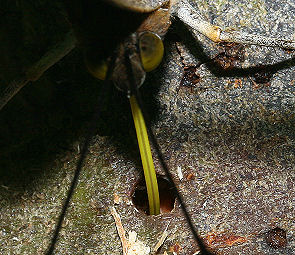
(231, 134)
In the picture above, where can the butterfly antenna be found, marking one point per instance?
(90, 134)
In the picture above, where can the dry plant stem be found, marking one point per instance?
(161, 240)
(193, 19)
(121, 230)
(132, 246)
(245, 38)
(37, 70)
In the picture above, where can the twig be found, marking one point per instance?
(36, 71)
(162, 239)
(121, 231)
(131, 246)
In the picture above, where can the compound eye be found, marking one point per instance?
(151, 50)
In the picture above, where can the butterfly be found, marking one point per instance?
(175, 145)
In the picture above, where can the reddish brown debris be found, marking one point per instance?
(224, 239)
(289, 51)
(276, 238)
(190, 176)
(230, 55)
(261, 78)
(190, 77)
(175, 248)
(238, 83)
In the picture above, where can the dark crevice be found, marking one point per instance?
(167, 196)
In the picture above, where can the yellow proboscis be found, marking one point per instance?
(146, 158)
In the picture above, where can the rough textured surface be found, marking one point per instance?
(232, 135)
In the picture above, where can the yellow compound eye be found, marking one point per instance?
(151, 50)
